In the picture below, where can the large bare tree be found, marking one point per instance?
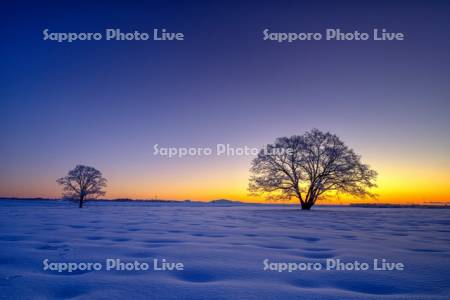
(308, 167)
(83, 183)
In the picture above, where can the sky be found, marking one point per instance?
(107, 103)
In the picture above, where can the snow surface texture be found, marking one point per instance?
(222, 249)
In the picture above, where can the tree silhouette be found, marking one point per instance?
(83, 183)
(309, 166)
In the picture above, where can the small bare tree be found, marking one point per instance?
(83, 183)
(309, 166)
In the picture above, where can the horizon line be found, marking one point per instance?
(425, 203)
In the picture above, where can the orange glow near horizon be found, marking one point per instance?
(411, 178)
(396, 184)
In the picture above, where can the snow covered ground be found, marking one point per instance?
(223, 249)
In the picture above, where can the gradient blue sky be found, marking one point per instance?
(106, 103)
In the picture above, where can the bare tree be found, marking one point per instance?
(308, 167)
(83, 183)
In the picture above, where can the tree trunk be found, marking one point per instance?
(306, 206)
(81, 201)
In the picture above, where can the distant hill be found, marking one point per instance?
(225, 201)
